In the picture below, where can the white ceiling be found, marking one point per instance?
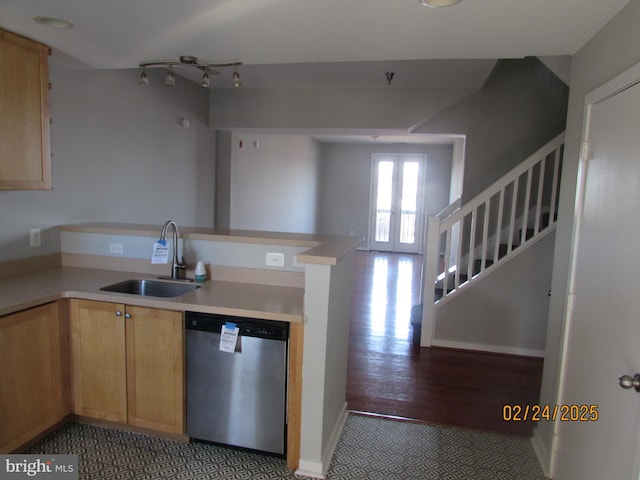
(124, 33)
(282, 42)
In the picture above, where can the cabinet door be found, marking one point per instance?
(99, 362)
(31, 375)
(24, 114)
(155, 369)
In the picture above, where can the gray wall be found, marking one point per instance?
(332, 108)
(293, 183)
(522, 106)
(506, 311)
(268, 182)
(614, 49)
(346, 182)
(119, 154)
(223, 180)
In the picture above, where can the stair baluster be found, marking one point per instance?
(462, 232)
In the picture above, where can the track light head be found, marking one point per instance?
(170, 79)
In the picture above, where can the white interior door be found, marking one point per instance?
(603, 320)
(396, 203)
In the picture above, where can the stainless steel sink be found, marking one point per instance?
(151, 288)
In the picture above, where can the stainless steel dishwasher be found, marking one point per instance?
(237, 398)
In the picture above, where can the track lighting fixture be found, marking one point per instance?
(189, 61)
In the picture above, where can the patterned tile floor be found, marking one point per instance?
(369, 448)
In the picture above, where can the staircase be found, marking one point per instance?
(465, 243)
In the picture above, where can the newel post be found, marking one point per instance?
(429, 275)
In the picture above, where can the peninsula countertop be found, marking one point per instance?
(268, 302)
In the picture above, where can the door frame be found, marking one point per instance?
(621, 82)
(420, 201)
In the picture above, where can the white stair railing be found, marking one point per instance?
(466, 243)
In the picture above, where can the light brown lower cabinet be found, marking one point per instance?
(33, 374)
(155, 369)
(128, 365)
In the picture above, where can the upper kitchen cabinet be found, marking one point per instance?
(24, 114)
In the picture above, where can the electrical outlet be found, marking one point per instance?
(274, 259)
(35, 237)
(116, 248)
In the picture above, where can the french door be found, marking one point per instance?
(395, 222)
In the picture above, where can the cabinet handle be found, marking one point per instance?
(118, 313)
(127, 315)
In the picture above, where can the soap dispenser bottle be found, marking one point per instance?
(201, 273)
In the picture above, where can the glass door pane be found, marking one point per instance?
(384, 199)
(409, 202)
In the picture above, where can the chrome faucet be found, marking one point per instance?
(178, 269)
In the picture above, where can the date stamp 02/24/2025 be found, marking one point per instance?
(537, 413)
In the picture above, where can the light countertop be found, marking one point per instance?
(267, 302)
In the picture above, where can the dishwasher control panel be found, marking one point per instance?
(249, 327)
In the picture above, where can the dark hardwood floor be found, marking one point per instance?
(388, 375)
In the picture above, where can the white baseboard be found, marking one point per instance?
(307, 468)
(525, 352)
(541, 452)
